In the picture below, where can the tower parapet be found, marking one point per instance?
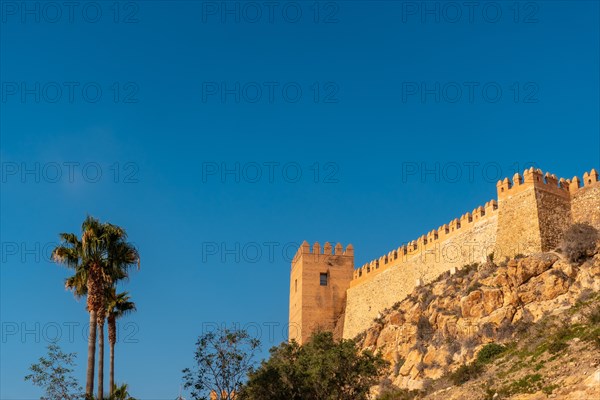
(532, 178)
(318, 283)
(585, 199)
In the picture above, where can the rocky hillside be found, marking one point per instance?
(528, 327)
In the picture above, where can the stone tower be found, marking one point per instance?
(318, 284)
(534, 212)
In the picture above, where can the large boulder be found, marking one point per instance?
(520, 271)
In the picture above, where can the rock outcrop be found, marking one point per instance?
(441, 326)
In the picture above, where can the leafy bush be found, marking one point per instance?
(54, 374)
(579, 242)
(465, 373)
(490, 352)
(557, 346)
(399, 394)
(527, 384)
(222, 359)
(321, 366)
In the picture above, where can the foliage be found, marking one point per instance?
(486, 355)
(557, 346)
(121, 393)
(527, 384)
(490, 352)
(223, 359)
(321, 369)
(100, 258)
(399, 394)
(465, 373)
(579, 241)
(54, 374)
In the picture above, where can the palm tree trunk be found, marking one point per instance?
(112, 339)
(112, 368)
(101, 362)
(89, 383)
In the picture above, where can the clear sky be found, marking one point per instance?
(323, 120)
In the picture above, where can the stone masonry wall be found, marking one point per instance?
(554, 214)
(531, 215)
(366, 299)
(312, 305)
(585, 205)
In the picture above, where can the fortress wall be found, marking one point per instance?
(554, 213)
(531, 214)
(535, 210)
(379, 289)
(585, 201)
(435, 244)
(518, 221)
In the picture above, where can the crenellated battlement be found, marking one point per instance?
(531, 178)
(532, 211)
(589, 179)
(327, 249)
(319, 279)
(425, 243)
(535, 178)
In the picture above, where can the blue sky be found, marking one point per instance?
(325, 121)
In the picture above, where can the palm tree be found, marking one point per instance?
(121, 255)
(86, 257)
(101, 257)
(118, 305)
(120, 393)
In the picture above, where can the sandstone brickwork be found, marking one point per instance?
(585, 206)
(531, 214)
(369, 295)
(314, 305)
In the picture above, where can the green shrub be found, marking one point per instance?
(557, 346)
(527, 384)
(549, 389)
(465, 373)
(490, 352)
(399, 394)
